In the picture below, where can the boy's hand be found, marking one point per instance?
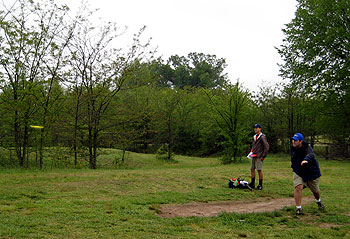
(304, 162)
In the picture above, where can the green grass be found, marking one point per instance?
(121, 202)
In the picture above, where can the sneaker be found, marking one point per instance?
(320, 206)
(251, 185)
(259, 187)
(299, 212)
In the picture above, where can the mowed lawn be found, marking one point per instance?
(122, 202)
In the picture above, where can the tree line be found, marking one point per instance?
(65, 75)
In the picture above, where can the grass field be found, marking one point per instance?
(121, 202)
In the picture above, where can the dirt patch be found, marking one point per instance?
(215, 208)
(328, 225)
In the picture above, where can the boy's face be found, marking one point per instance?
(296, 143)
(257, 130)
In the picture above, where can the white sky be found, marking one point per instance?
(244, 32)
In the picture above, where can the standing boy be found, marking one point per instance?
(306, 171)
(260, 147)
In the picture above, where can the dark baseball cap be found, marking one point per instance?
(257, 126)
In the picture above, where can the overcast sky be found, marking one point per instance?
(244, 32)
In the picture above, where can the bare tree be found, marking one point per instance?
(29, 35)
(102, 71)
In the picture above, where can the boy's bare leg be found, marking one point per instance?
(297, 194)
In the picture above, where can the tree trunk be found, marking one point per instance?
(91, 156)
(76, 133)
(123, 155)
(25, 143)
(41, 148)
(312, 140)
(95, 149)
(17, 131)
(170, 145)
(18, 141)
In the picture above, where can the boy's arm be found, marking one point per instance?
(310, 155)
(266, 146)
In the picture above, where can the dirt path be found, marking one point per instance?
(215, 208)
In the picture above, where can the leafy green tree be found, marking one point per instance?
(207, 71)
(189, 120)
(195, 70)
(29, 49)
(68, 128)
(316, 59)
(284, 110)
(315, 49)
(229, 107)
(130, 113)
(102, 71)
(181, 71)
(134, 119)
(164, 74)
(167, 104)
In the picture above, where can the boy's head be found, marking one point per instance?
(297, 140)
(257, 128)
